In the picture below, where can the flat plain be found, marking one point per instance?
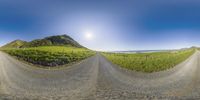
(149, 62)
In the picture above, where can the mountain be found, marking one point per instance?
(15, 44)
(58, 40)
(62, 40)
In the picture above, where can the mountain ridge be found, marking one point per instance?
(56, 40)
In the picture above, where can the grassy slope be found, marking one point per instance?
(15, 44)
(149, 62)
(50, 55)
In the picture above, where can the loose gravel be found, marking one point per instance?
(97, 79)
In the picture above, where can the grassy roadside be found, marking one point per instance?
(149, 62)
(50, 56)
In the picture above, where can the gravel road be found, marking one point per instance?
(96, 78)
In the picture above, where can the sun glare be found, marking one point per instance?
(88, 35)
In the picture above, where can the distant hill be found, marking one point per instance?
(15, 44)
(58, 40)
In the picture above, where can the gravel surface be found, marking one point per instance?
(97, 79)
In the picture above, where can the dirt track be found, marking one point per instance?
(97, 78)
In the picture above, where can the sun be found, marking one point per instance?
(88, 35)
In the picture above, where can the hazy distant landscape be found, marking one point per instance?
(140, 51)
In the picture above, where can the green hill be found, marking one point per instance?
(15, 44)
(58, 40)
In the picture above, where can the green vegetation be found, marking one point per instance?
(50, 55)
(58, 40)
(149, 62)
(15, 44)
(49, 51)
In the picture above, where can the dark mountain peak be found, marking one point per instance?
(64, 36)
(62, 40)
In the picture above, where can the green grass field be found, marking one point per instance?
(50, 55)
(149, 62)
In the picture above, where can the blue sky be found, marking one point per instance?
(114, 24)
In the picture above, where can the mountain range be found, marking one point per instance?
(58, 40)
